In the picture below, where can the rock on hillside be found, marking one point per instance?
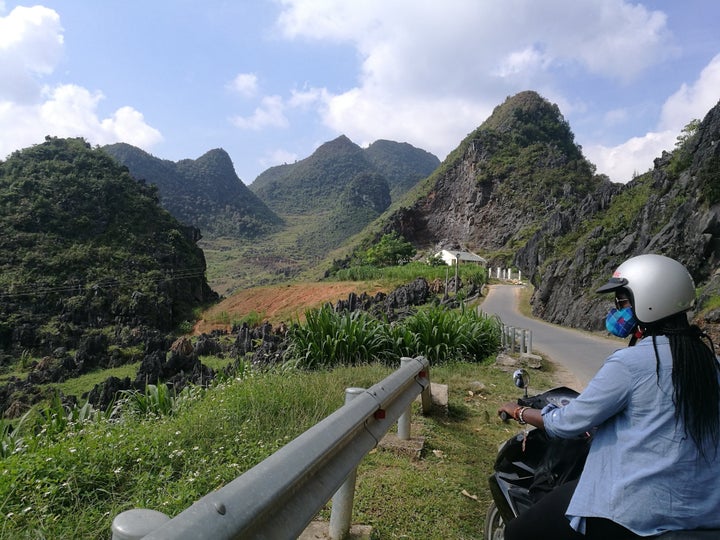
(205, 193)
(503, 182)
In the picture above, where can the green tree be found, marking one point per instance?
(391, 250)
(687, 132)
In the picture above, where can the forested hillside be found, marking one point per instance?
(341, 188)
(88, 257)
(205, 192)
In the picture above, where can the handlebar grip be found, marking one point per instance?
(505, 417)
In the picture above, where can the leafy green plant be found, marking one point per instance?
(442, 335)
(12, 436)
(328, 339)
(252, 319)
(157, 400)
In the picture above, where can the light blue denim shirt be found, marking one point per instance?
(642, 471)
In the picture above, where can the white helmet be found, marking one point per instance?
(660, 286)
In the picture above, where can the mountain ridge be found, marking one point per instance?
(204, 192)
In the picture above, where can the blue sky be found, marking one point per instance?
(271, 80)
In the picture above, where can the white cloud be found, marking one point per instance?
(277, 157)
(430, 74)
(31, 46)
(693, 101)
(307, 98)
(520, 62)
(611, 38)
(70, 111)
(270, 113)
(128, 125)
(245, 84)
(636, 155)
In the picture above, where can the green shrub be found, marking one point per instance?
(438, 333)
(157, 400)
(392, 249)
(330, 339)
(441, 335)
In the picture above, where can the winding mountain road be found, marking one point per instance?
(581, 353)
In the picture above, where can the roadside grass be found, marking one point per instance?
(79, 385)
(73, 484)
(444, 495)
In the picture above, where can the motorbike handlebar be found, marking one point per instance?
(505, 417)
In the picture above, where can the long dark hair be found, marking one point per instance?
(696, 387)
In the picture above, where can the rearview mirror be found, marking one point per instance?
(521, 379)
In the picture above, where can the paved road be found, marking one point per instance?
(579, 352)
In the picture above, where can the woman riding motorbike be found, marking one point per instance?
(653, 464)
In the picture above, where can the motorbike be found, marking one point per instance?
(530, 464)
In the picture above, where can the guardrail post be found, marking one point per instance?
(426, 394)
(403, 429)
(342, 501)
(529, 341)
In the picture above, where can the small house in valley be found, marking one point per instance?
(453, 257)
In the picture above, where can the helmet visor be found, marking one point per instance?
(613, 284)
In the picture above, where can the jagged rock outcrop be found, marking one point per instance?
(673, 210)
(504, 181)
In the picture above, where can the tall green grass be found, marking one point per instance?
(329, 339)
(72, 484)
(410, 271)
(440, 334)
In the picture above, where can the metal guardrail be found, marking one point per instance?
(280, 496)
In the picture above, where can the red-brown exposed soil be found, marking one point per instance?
(279, 303)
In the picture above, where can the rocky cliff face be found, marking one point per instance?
(503, 183)
(673, 210)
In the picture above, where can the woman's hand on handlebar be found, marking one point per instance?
(524, 415)
(507, 411)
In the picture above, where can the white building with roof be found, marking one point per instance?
(452, 257)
